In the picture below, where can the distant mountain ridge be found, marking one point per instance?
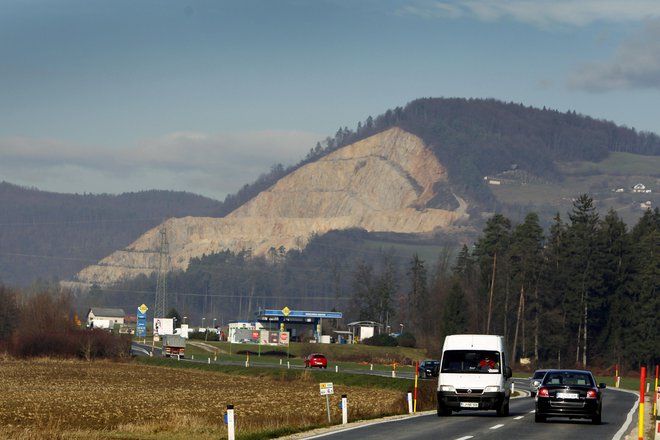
(46, 235)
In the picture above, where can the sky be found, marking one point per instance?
(113, 96)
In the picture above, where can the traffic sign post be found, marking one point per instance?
(327, 388)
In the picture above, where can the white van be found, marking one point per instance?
(474, 375)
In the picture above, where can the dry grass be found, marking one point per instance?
(67, 399)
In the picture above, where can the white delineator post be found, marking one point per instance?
(231, 434)
(344, 409)
(410, 403)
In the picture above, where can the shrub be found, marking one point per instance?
(203, 336)
(86, 344)
(407, 340)
(381, 341)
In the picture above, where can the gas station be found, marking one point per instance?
(297, 322)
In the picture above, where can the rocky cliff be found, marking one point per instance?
(384, 183)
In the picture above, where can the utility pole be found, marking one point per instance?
(163, 268)
(490, 296)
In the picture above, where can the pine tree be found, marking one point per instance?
(418, 294)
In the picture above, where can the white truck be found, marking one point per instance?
(474, 375)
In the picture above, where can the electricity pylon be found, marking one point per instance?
(163, 268)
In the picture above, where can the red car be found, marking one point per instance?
(316, 360)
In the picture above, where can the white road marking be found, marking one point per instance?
(518, 418)
(532, 411)
(465, 438)
(496, 426)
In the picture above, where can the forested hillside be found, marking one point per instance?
(583, 293)
(55, 235)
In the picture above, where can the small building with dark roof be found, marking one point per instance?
(105, 317)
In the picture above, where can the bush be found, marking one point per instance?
(381, 341)
(203, 336)
(407, 340)
(85, 344)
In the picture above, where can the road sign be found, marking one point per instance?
(286, 311)
(326, 388)
(142, 320)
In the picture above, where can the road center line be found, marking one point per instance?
(465, 438)
(518, 418)
(496, 426)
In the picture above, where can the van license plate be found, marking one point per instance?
(469, 404)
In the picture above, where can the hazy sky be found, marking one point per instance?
(203, 96)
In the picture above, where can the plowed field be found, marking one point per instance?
(74, 399)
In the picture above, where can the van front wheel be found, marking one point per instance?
(443, 412)
(503, 410)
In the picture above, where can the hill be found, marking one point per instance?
(52, 236)
(494, 156)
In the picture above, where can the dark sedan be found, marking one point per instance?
(569, 393)
(428, 368)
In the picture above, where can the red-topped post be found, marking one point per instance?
(642, 386)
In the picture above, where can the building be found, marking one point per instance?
(302, 325)
(105, 317)
(641, 188)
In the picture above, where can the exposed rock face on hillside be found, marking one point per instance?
(381, 184)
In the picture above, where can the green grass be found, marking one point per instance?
(599, 180)
(284, 374)
(616, 164)
(354, 357)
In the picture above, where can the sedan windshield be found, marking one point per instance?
(471, 361)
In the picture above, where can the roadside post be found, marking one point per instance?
(326, 389)
(616, 375)
(229, 420)
(410, 404)
(655, 397)
(416, 378)
(640, 422)
(344, 409)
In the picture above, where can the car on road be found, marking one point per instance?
(428, 368)
(535, 381)
(316, 360)
(569, 393)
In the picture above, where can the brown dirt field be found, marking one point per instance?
(103, 399)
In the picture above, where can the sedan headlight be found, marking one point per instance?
(448, 388)
(492, 389)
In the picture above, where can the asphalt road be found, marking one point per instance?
(617, 406)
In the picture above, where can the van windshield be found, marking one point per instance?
(471, 361)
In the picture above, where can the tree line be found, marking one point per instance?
(585, 293)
